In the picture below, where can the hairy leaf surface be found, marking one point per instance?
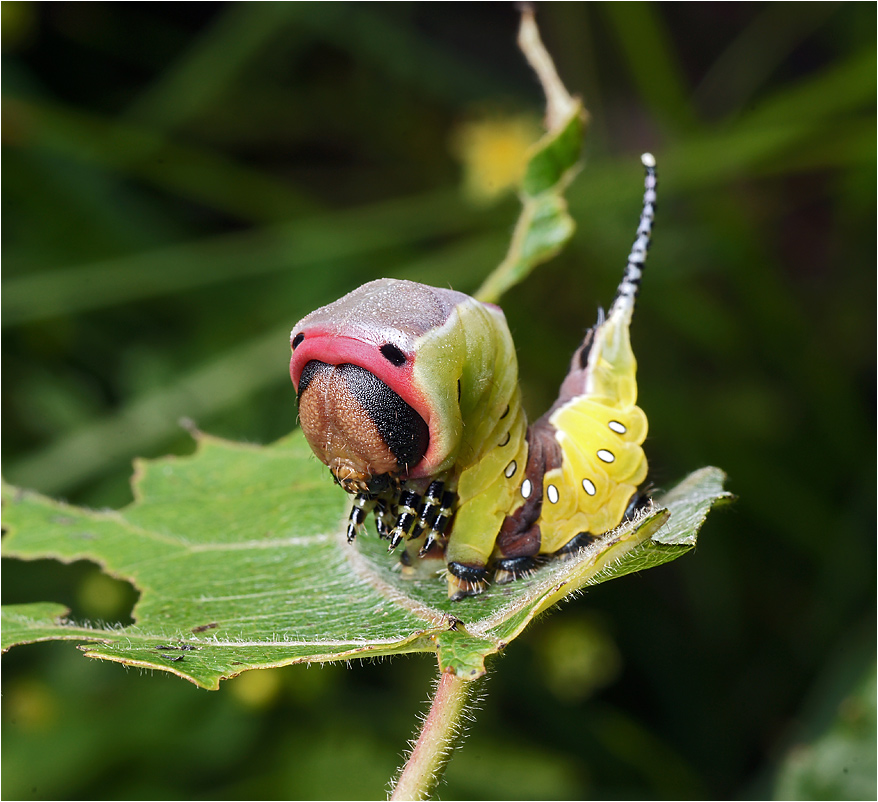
(240, 558)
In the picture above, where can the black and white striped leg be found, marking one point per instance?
(409, 502)
(362, 506)
(429, 509)
(383, 518)
(443, 518)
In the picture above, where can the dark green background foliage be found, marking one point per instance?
(183, 182)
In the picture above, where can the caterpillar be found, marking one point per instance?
(409, 394)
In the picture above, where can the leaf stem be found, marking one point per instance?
(559, 104)
(436, 740)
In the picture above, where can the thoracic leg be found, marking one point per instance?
(441, 518)
(362, 506)
(409, 502)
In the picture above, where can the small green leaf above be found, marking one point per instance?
(544, 225)
(554, 158)
(241, 562)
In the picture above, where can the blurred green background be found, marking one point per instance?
(183, 181)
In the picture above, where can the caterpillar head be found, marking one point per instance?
(369, 405)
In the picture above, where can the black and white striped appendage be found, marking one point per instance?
(408, 505)
(362, 506)
(626, 295)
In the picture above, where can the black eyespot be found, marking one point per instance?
(297, 340)
(392, 354)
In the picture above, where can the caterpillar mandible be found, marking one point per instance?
(410, 395)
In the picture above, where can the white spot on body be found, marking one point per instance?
(617, 427)
(511, 468)
(552, 493)
(526, 488)
(588, 487)
(606, 456)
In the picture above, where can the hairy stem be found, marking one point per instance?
(436, 740)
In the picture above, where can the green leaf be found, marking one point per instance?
(554, 155)
(240, 558)
(544, 226)
(32, 623)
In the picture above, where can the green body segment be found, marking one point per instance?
(486, 421)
